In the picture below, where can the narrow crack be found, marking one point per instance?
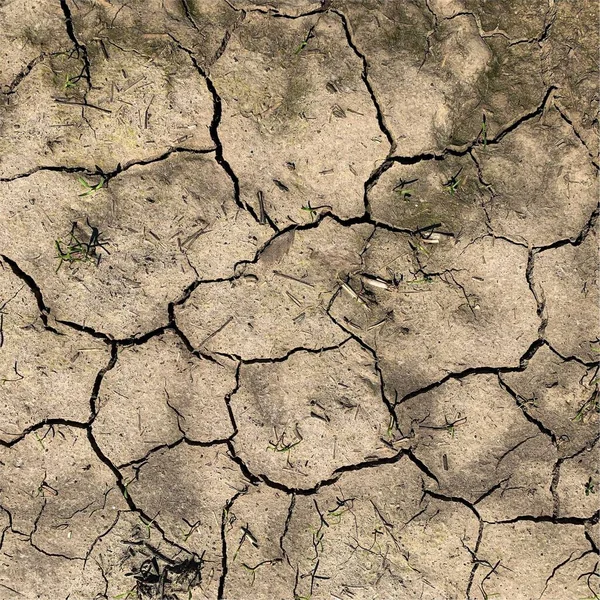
(563, 113)
(391, 407)
(523, 361)
(224, 557)
(256, 478)
(26, 70)
(522, 404)
(581, 236)
(365, 77)
(286, 527)
(108, 175)
(80, 48)
(546, 519)
(123, 489)
(32, 285)
(475, 560)
(214, 134)
(455, 500)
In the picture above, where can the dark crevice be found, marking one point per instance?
(554, 487)
(80, 48)
(577, 359)
(214, 134)
(138, 463)
(569, 121)
(538, 295)
(12, 86)
(44, 423)
(589, 538)
(224, 557)
(365, 77)
(255, 479)
(523, 119)
(495, 487)
(391, 407)
(126, 495)
(287, 355)
(189, 16)
(454, 499)
(276, 13)
(35, 170)
(138, 340)
(421, 466)
(228, 397)
(32, 285)
(148, 161)
(474, 559)
(197, 353)
(522, 404)
(108, 175)
(85, 329)
(554, 571)
(523, 361)
(286, 527)
(98, 381)
(547, 519)
(581, 236)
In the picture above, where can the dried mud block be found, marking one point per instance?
(442, 198)
(372, 533)
(436, 78)
(44, 374)
(578, 486)
(530, 560)
(477, 443)
(143, 103)
(561, 395)
(58, 491)
(477, 311)
(299, 127)
(257, 566)
(302, 419)
(26, 572)
(568, 278)
(186, 490)
(279, 303)
(156, 394)
(545, 187)
(570, 61)
(30, 30)
(152, 232)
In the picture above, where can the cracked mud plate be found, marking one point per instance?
(299, 300)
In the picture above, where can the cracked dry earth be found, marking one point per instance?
(299, 300)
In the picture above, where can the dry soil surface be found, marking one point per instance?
(299, 300)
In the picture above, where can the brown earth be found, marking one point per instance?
(299, 300)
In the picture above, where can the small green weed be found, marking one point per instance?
(590, 406)
(312, 210)
(91, 189)
(305, 41)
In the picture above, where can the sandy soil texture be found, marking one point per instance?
(299, 300)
